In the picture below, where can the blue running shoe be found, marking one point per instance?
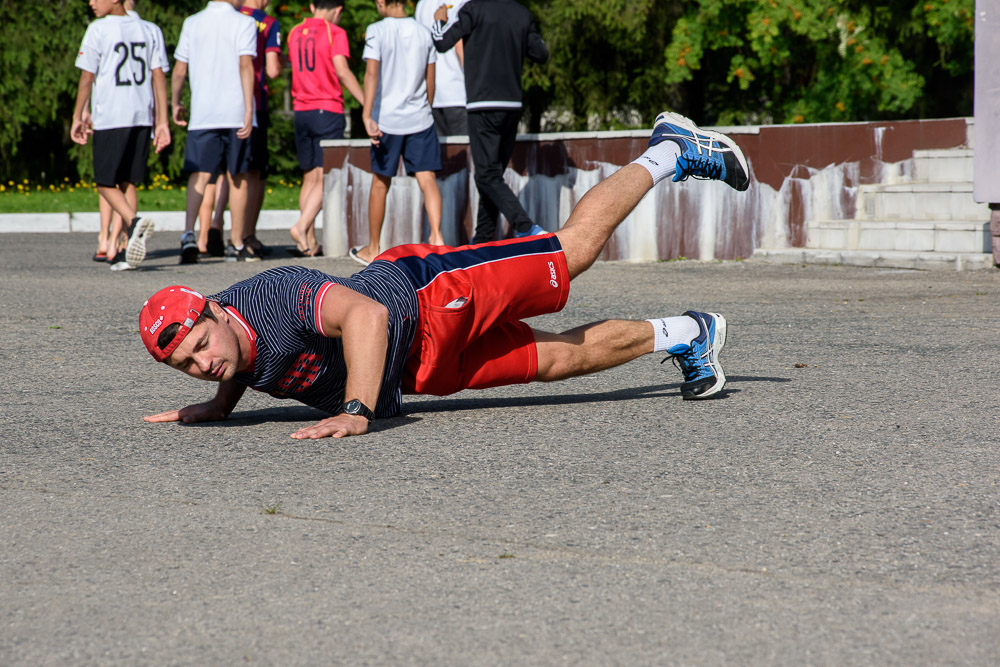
(699, 361)
(534, 231)
(704, 154)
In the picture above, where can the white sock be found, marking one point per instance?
(670, 331)
(660, 160)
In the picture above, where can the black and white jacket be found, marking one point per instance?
(498, 35)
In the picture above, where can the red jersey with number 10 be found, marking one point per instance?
(312, 45)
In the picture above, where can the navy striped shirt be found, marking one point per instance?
(294, 359)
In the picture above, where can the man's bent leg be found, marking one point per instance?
(599, 213)
(677, 148)
(591, 348)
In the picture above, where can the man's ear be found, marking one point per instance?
(219, 312)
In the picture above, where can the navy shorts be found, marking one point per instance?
(420, 151)
(314, 126)
(260, 156)
(120, 155)
(216, 151)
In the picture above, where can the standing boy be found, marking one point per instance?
(266, 65)
(449, 73)
(498, 35)
(318, 53)
(399, 91)
(124, 77)
(218, 45)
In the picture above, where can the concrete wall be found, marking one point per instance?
(798, 173)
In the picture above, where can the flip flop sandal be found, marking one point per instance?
(353, 253)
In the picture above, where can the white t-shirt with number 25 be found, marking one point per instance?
(119, 51)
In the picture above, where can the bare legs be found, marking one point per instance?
(601, 345)
(591, 348)
(303, 232)
(108, 219)
(205, 213)
(124, 201)
(238, 191)
(238, 198)
(376, 215)
(432, 203)
(599, 213)
(376, 211)
(197, 184)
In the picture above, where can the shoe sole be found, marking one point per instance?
(686, 123)
(713, 359)
(135, 251)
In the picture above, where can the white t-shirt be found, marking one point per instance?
(403, 48)
(449, 77)
(211, 44)
(158, 51)
(116, 49)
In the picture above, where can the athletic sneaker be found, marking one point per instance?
(189, 248)
(138, 233)
(699, 361)
(534, 231)
(244, 254)
(215, 247)
(118, 263)
(704, 154)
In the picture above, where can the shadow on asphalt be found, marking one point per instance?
(632, 393)
(302, 413)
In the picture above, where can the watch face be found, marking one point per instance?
(356, 407)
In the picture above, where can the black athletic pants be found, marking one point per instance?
(491, 140)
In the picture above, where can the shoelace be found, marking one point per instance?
(688, 363)
(700, 167)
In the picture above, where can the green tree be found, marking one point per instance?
(605, 67)
(781, 61)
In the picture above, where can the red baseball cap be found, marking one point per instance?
(173, 304)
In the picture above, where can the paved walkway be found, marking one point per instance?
(837, 505)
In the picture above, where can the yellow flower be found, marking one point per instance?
(270, 191)
(840, 106)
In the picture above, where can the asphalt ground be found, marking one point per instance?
(838, 504)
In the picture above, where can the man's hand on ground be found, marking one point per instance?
(338, 426)
(202, 412)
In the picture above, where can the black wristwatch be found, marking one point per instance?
(356, 407)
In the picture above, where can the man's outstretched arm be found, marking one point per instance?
(217, 409)
(363, 325)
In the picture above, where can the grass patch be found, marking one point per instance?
(160, 195)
